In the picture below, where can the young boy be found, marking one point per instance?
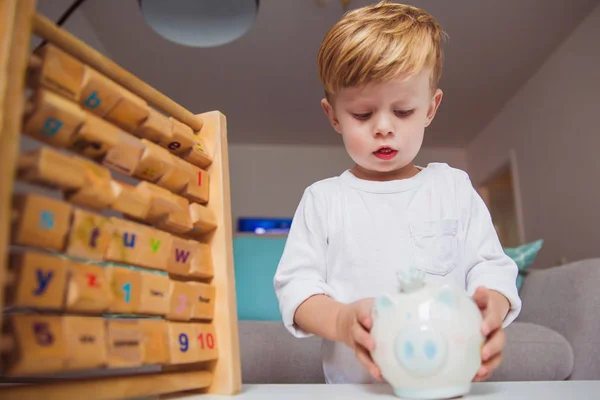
(380, 67)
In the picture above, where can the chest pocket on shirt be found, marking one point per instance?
(435, 245)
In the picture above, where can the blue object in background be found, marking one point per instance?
(256, 259)
(264, 225)
(255, 262)
(524, 256)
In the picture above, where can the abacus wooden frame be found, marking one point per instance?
(18, 22)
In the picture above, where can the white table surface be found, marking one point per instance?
(563, 390)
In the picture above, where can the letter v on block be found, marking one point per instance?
(154, 249)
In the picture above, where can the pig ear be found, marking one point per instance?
(447, 297)
(383, 303)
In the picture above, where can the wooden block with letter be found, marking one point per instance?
(86, 342)
(197, 188)
(203, 219)
(89, 235)
(56, 70)
(129, 201)
(155, 250)
(40, 221)
(125, 155)
(125, 245)
(50, 168)
(198, 155)
(154, 162)
(182, 343)
(181, 139)
(88, 289)
(39, 347)
(129, 111)
(156, 128)
(39, 280)
(154, 294)
(168, 211)
(98, 93)
(97, 192)
(208, 348)
(203, 307)
(182, 254)
(95, 137)
(52, 119)
(155, 341)
(162, 202)
(202, 262)
(190, 258)
(181, 299)
(124, 338)
(177, 176)
(178, 222)
(126, 287)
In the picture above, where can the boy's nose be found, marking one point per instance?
(383, 127)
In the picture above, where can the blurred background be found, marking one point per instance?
(521, 83)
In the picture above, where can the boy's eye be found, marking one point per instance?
(403, 113)
(362, 116)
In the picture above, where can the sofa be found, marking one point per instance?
(556, 336)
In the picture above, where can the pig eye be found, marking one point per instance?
(421, 352)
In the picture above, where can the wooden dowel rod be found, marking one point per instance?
(45, 28)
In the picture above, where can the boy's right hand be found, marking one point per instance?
(353, 327)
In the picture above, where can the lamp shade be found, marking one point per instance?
(200, 23)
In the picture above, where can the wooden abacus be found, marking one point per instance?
(116, 261)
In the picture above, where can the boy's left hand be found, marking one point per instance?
(494, 307)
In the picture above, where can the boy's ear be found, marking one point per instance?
(433, 106)
(327, 107)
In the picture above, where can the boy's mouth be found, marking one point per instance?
(385, 153)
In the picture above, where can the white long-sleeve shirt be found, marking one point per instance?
(349, 237)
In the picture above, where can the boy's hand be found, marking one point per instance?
(353, 327)
(494, 307)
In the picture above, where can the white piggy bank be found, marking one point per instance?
(427, 339)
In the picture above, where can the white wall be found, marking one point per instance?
(268, 181)
(552, 125)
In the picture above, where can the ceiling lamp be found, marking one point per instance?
(200, 23)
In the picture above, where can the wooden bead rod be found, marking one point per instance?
(45, 28)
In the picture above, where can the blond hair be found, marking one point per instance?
(379, 42)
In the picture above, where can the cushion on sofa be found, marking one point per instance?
(534, 353)
(270, 354)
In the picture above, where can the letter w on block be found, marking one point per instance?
(181, 255)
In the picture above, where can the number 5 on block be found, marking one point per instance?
(40, 345)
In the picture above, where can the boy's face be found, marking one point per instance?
(382, 125)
